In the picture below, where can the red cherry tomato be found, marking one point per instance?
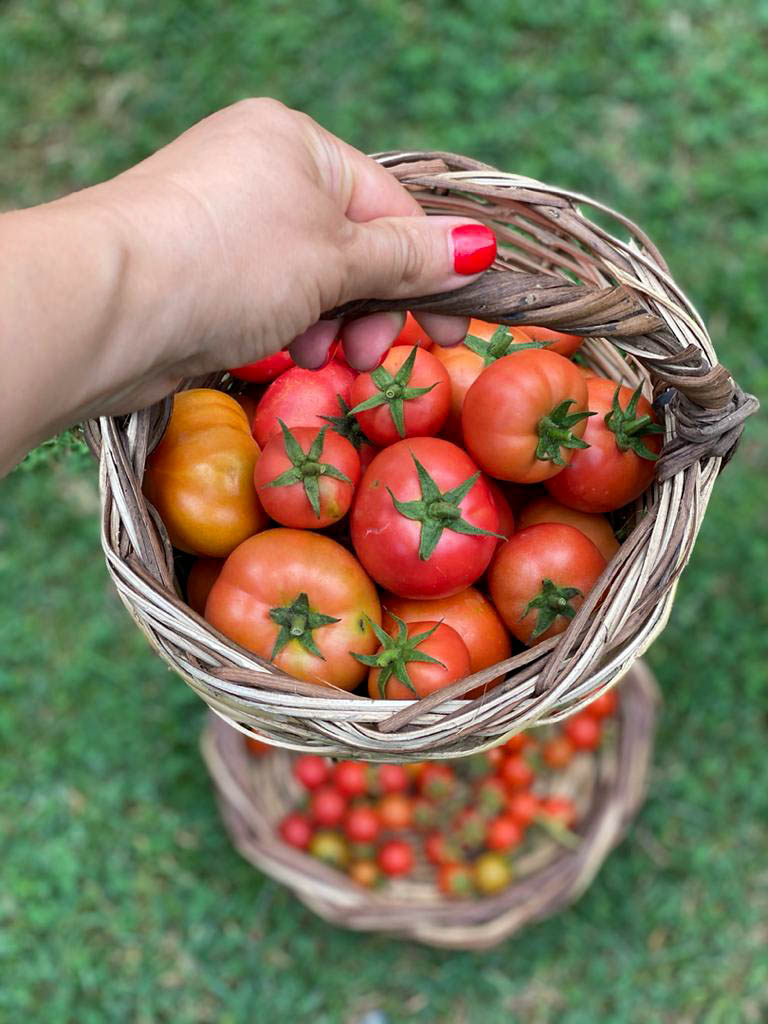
(620, 462)
(408, 524)
(256, 747)
(523, 806)
(583, 731)
(560, 808)
(516, 772)
(362, 824)
(409, 395)
(503, 833)
(439, 850)
(455, 879)
(351, 778)
(395, 811)
(296, 830)
(540, 577)
(311, 770)
(264, 369)
(399, 669)
(603, 706)
(391, 778)
(395, 857)
(327, 806)
(557, 752)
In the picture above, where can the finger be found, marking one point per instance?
(310, 349)
(399, 257)
(445, 331)
(367, 339)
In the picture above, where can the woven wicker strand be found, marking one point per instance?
(254, 795)
(555, 267)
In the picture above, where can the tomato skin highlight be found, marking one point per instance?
(445, 645)
(602, 477)
(299, 398)
(200, 476)
(270, 571)
(504, 408)
(423, 415)
(549, 551)
(596, 527)
(387, 543)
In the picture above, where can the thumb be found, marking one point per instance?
(402, 257)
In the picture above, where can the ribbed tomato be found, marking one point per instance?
(547, 510)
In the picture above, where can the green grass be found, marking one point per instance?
(121, 898)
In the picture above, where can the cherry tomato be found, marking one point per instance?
(518, 742)
(409, 395)
(557, 752)
(491, 795)
(200, 476)
(540, 578)
(415, 660)
(620, 462)
(491, 872)
(202, 576)
(327, 806)
(563, 344)
(351, 778)
(437, 780)
(301, 600)
(362, 824)
(391, 778)
(470, 827)
(439, 850)
(503, 833)
(423, 520)
(257, 748)
(583, 731)
(412, 334)
(596, 527)
(603, 706)
(300, 398)
(524, 416)
(296, 830)
(395, 811)
(364, 872)
(330, 847)
(560, 808)
(311, 770)
(523, 806)
(395, 857)
(306, 477)
(424, 813)
(265, 369)
(516, 772)
(455, 879)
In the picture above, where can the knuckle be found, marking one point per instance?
(410, 254)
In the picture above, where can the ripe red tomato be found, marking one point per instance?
(306, 478)
(603, 706)
(415, 660)
(440, 850)
(300, 398)
(330, 847)
(311, 770)
(351, 778)
(523, 806)
(583, 731)
(547, 510)
(409, 395)
(364, 872)
(524, 416)
(620, 462)
(296, 830)
(503, 833)
(518, 742)
(491, 872)
(423, 520)
(455, 879)
(464, 363)
(395, 857)
(412, 334)
(563, 344)
(516, 772)
(301, 600)
(469, 612)
(504, 509)
(391, 778)
(395, 811)
(540, 578)
(339, 375)
(264, 369)
(202, 576)
(557, 752)
(560, 809)
(362, 824)
(327, 805)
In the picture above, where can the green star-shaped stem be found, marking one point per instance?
(347, 426)
(629, 428)
(437, 511)
(551, 602)
(555, 432)
(306, 467)
(297, 622)
(501, 343)
(395, 653)
(394, 391)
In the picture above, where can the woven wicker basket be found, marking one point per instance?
(254, 794)
(555, 267)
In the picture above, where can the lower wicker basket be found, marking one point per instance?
(255, 793)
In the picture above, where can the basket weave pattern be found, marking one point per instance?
(253, 796)
(556, 267)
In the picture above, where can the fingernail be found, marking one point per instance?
(474, 248)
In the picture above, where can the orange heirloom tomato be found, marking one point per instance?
(200, 476)
(563, 344)
(596, 527)
(202, 576)
(300, 600)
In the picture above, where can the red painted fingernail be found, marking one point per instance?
(474, 248)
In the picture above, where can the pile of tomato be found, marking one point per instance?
(402, 528)
(460, 824)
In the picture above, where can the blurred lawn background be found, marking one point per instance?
(121, 899)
